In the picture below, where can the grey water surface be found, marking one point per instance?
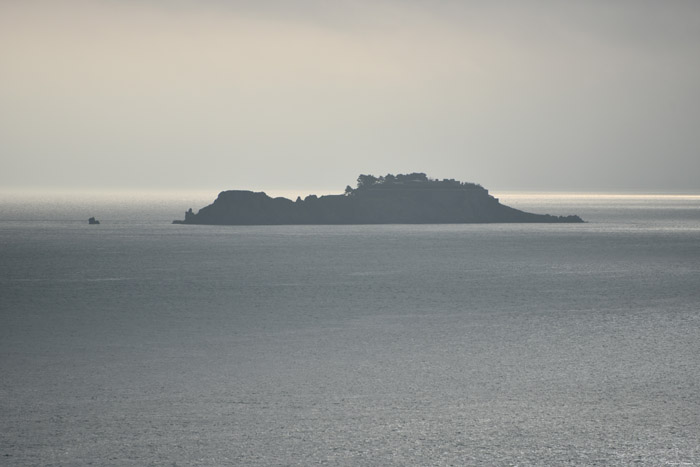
(137, 342)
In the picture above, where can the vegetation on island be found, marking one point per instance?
(415, 180)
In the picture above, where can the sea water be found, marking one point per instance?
(138, 342)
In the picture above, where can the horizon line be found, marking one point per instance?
(292, 193)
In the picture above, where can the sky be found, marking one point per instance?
(306, 95)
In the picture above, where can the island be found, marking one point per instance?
(93, 221)
(390, 199)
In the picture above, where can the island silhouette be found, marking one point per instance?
(390, 199)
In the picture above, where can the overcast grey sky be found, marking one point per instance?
(305, 95)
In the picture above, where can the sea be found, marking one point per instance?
(138, 342)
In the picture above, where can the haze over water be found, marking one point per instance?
(137, 341)
(539, 95)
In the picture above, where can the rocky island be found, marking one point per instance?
(390, 199)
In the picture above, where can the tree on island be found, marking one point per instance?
(366, 181)
(415, 179)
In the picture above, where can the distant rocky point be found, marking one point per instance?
(93, 221)
(392, 199)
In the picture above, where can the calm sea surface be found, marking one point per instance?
(137, 342)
